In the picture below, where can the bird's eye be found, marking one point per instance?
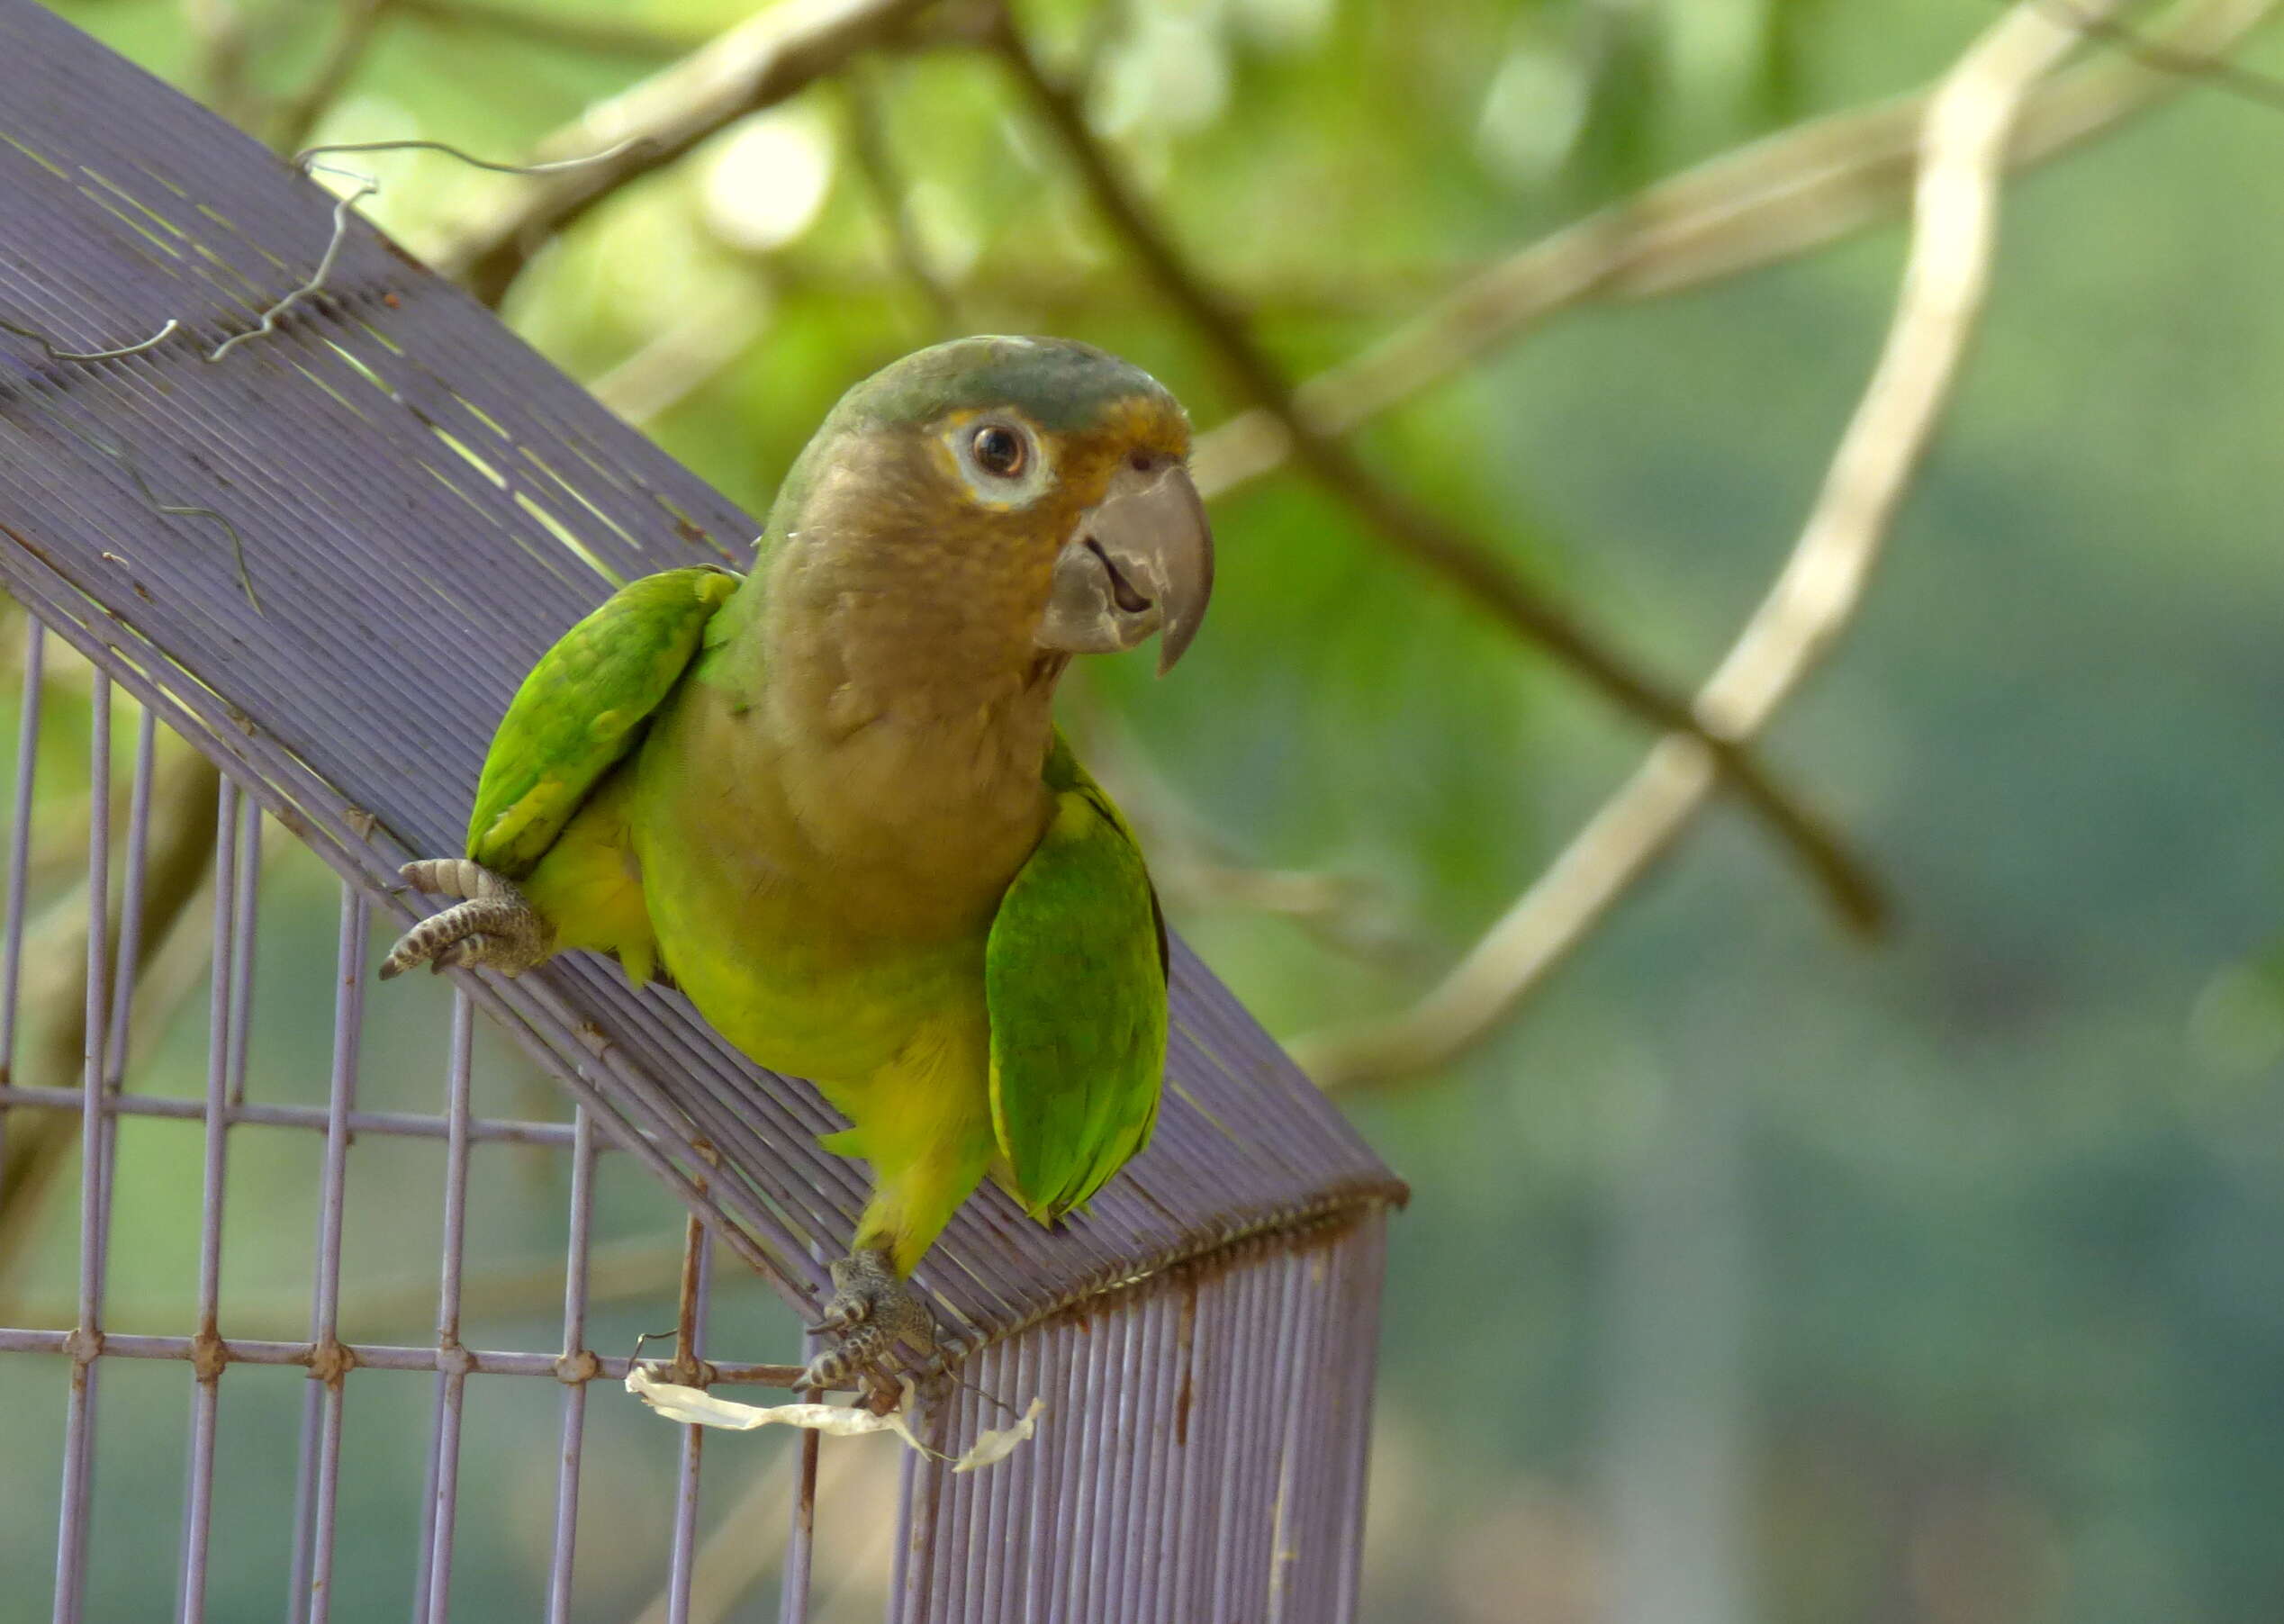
(1000, 450)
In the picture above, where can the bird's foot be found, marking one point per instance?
(874, 1314)
(493, 927)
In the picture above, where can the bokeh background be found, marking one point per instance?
(1752, 1272)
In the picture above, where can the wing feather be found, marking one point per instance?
(1075, 976)
(583, 707)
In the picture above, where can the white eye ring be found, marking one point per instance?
(1017, 471)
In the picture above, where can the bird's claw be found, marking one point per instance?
(873, 1312)
(493, 927)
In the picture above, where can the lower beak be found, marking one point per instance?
(1139, 560)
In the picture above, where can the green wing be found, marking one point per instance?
(1075, 978)
(582, 708)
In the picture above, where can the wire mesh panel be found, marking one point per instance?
(319, 528)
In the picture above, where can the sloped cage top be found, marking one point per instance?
(415, 498)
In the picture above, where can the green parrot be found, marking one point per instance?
(829, 800)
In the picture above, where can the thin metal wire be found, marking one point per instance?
(316, 1119)
(245, 921)
(574, 1356)
(690, 1345)
(198, 1498)
(800, 1533)
(319, 1475)
(432, 1583)
(79, 1421)
(35, 654)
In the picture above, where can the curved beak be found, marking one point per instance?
(1139, 560)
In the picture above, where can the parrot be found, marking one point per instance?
(828, 800)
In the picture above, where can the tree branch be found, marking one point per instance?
(1760, 205)
(222, 44)
(760, 62)
(1963, 147)
(1417, 532)
(360, 21)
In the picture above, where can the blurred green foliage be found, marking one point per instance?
(1751, 1274)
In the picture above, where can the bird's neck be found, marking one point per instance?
(903, 731)
(857, 641)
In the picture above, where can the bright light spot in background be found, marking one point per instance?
(1170, 75)
(1531, 115)
(946, 226)
(768, 179)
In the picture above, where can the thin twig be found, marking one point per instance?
(1770, 202)
(54, 354)
(306, 158)
(223, 42)
(775, 54)
(1419, 533)
(1963, 151)
(103, 445)
(360, 22)
(2265, 89)
(1199, 870)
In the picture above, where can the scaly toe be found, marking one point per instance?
(875, 1313)
(495, 929)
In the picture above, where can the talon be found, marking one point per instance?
(873, 1312)
(493, 928)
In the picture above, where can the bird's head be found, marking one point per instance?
(1040, 485)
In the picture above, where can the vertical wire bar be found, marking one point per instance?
(1043, 1600)
(130, 905)
(35, 659)
(1301, 1548)
(1279, 1378)
(246, 918)
(961, 1553)
(800, 1536)
(575, 1357)
(1255, 1477)
(1353, 1335)
(907, 1536)
(683, 1558)
(926, 1577)
(1139, 1510)
(1362, 1356)
(944, 1501)
(800, 1533)
(1224, 1594)
(430, 1601)
(1105, 1556)
(79, 1421)
(1291, 1532)
(1085, 1486)
(1005, 1490)
(198, 1497)
(1031, 1543)
(125, 955)
(1198, 1352)
(321, 1443)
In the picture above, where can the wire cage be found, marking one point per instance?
(316, 528)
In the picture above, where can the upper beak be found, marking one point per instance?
(1139, 560)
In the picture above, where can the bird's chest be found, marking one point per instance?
(821, 905)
